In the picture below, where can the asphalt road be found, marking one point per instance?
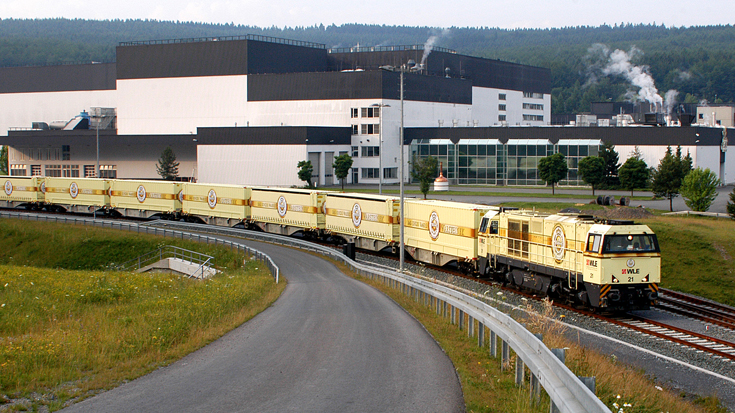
(328, 344)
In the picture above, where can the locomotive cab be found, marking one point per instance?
(622, 265)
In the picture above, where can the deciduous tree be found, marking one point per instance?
(342, 165)
(305, 171)
(592, 170)
(634, 174)
(699, 189)
(425, 171)
(167, 166)
(553, 169)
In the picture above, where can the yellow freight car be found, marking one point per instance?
(440, 232)
(225, 205)
(144, 199)
(370, 221)
(22, 191)
(78, 194)
(287, 211)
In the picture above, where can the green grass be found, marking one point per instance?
(697, 255)
(67, 333)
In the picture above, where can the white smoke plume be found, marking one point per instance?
(619, 63)
(670, 100)
(429, 45)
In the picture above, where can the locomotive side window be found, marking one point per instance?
(632, 243)
(494, 227)
(483, 225)
(593, 242)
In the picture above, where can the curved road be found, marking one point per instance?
(328, 344)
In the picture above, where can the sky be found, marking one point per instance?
(433, 13)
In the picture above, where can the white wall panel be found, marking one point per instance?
(273, 165)
(179, 105)
(22, 109)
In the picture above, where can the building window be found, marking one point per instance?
(390, 173)
(18, 170)
(353, 112)
(501, 96)
(108, 171)
(355, 129)
(533, 95)
(533, 106)
(371, 112)
(501, 106)
(501, 118)
(36, 170)
(370, 172)
(53, 171)
(370, 151)
(370, 129)
(89, 171)
(65, 153)
(536, 118)
(70, 171)
(354, 151)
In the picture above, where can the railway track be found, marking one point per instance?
(694, 307)
(678, 303)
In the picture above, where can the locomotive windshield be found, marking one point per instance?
(630, 243)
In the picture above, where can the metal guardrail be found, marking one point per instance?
(250, 253)
(567, 392)
(169, 251)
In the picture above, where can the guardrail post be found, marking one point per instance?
(461, 320)
(480, 335)
(520, 371)
(444, 305)
(589, 382)
(452, 318)
(505, 356)
(470, 326)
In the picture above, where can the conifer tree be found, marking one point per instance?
(167, 166)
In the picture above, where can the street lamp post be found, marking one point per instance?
(400, 147)
(380, 145)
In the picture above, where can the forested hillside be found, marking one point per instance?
(697, 62)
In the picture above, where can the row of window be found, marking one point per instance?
(368, 129)
(365, 112)
(533, 95)
(42, 154)
(539, 118)
(372, 173)
(533, 106)
(64, 171)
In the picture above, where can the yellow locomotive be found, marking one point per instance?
(605, 264)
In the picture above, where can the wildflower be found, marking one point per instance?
(499, 293)
(659, 388)
(2, 305)
(615, 405)
(561, 316)
(618, 397)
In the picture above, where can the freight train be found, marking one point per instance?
(603, 264)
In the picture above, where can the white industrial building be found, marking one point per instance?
(246, 110)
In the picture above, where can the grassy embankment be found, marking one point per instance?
(68, 328)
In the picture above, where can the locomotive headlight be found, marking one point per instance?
(645, 279)
(615, 280)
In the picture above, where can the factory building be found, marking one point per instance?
(246, 110)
